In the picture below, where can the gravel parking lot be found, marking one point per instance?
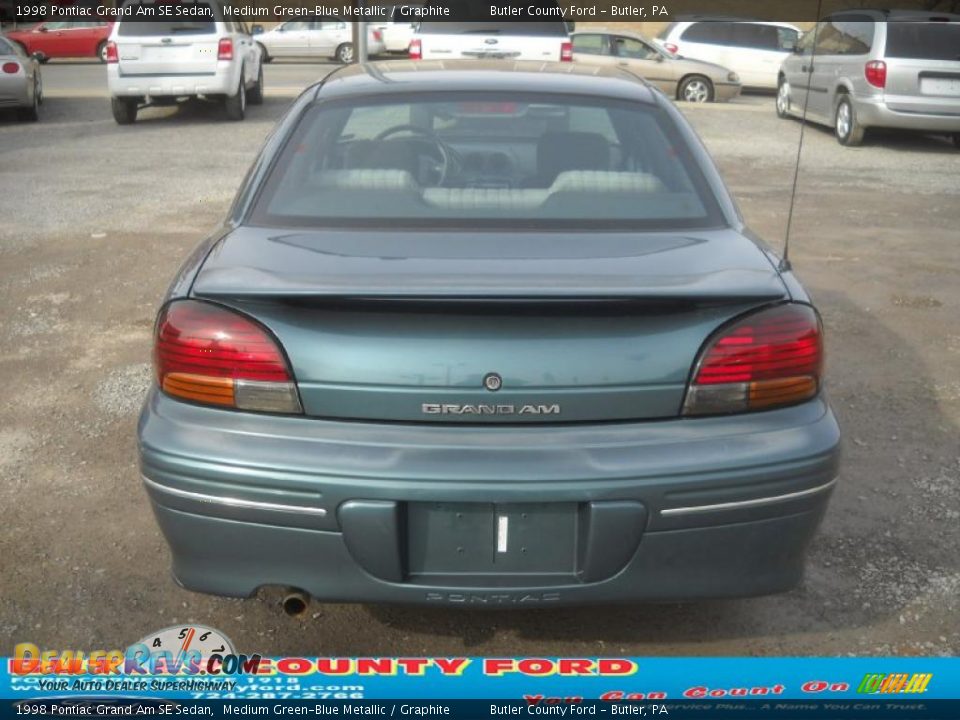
(96, 219)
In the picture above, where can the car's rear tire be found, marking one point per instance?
(344, 53)
(124, 110)
(783, 98)
(696, 88)
(264, 55)
(255, 95)
(32, 113)
(102, 52)
(956, 140)
(846, 127)
(236, 104)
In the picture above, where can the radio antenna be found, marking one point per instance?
(785, 261)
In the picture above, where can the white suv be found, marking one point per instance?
(160, 62)
(751, 48)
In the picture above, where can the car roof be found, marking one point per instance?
(411, 76)
(691, 19)
(613, 31)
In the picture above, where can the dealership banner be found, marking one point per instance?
(386, 11)
(140, 681)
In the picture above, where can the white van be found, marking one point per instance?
(548, 41)
(397, 35)
(751, 48)
(160, 62)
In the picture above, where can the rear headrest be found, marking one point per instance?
(560, 151)
(367, 180)
(595, 181)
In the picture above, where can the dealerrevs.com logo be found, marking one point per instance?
(178, 650)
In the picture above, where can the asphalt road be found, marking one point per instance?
(96, 219)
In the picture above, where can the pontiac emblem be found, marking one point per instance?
(492, 382)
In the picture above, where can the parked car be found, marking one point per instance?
(397, 36)
(751, 48)
(489, 333)
(865, 68)
(65, 39)
(21, 85)
(445, 40)
(316, 38)
(161, 62)
(690, 80)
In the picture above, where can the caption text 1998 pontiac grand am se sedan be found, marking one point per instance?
(490, 333)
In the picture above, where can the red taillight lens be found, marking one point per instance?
(112, 54)
(416, 50)
(876, 73)
(566, 52)
(225, 49)
(671, 48)
(377, 35)
(11, 68)
(769, 359)
(210, 355)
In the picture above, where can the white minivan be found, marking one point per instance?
(753, 49)
(161, 62)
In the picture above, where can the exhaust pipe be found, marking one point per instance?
(295, 603)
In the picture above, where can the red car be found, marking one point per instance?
(65, 39)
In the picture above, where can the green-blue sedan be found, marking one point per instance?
(487, 333)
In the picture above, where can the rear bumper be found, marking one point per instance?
(14, 91)
(874, 112)
(675, 510)
(724, 92)
(224, 81)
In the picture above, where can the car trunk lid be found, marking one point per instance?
(384, 326)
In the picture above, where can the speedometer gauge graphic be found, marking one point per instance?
(181, 639)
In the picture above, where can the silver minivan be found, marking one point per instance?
(872, 68)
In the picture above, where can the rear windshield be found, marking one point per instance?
(487, 159)
(194, 18)
(526, 29)
(924, 40)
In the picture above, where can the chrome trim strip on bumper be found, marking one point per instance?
(233, 502)
(756, 502)
(321, 512)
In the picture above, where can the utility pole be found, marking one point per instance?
(360, 53)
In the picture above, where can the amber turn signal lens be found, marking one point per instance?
(201, 389)
(770, 393)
